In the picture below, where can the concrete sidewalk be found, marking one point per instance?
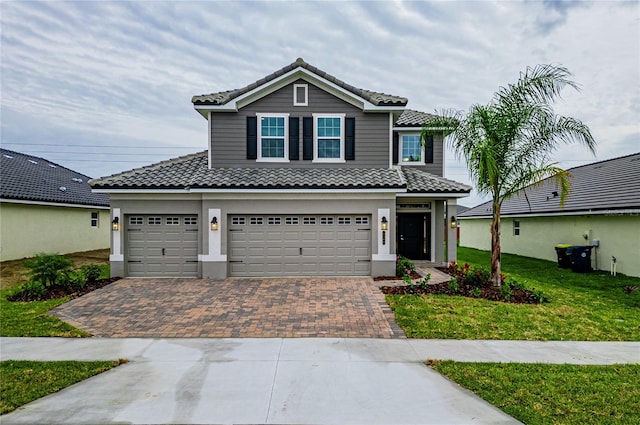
(282, 381)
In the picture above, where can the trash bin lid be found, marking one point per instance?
(564, 245)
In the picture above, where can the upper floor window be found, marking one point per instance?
(516, 227)
(329, 137)
(300, 95)
(411, 150)
(273, 137)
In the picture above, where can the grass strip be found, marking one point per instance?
(583, 307)
(24, 381)
(553, 394)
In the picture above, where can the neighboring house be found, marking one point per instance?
(603, 208)
(45, 207)
(304, 175)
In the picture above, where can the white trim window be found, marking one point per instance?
(273, 137)
(516, 227)
(95, 219)
(300, 95)
(328, 138)
(411, 149)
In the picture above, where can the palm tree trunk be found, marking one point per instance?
(495, 245)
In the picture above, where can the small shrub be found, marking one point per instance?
(453, 285)
(477, 277)
(404, 266)
(476, 292)
(91, 272)
(540, 296)
(424, 283)
(514, 284)
(75, 279)
(32, 290)
(48, 268)
(505, 291)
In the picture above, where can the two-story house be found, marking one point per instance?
(304, 175)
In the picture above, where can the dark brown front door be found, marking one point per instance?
(411, 236)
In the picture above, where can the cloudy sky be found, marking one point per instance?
(102, 87)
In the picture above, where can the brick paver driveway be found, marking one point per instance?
(237, 307)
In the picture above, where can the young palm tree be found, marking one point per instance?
(507, 144)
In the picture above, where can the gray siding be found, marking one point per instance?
(228, 130)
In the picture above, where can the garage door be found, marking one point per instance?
(299, 245)
(162, 245)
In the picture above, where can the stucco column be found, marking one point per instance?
(214, 263)
(116, 259)
(452, 232)
(439, 230)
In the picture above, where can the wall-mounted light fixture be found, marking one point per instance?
(384, 225)
(214, 223)
(453, 223)
(115, 224)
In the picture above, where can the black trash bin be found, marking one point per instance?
(581, 258)
(564, 255)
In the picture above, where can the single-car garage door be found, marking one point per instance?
(162, 245)
(299, 245)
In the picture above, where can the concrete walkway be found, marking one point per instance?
(282, 381)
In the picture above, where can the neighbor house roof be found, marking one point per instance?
(602, 186)
(192, 172)
(31, 178)
(375, 98)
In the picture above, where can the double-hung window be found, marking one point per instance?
(328, 137)
(273, 137)
(411, 150)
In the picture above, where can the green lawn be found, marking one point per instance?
(32, 319)
(553, 394)
(583, 306)
(24, 381)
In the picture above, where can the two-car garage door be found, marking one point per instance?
(299, 245)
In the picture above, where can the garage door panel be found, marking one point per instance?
(299, 245)
(162, 245)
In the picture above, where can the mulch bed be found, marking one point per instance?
(518, 296)
(60, 291)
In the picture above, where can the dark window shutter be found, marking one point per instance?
(396, 146)
(428, 149)
(350, 139)
(294, 138)
(307, 138)
(252, 137)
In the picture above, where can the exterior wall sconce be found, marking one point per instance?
(214, 223)
(115, 224)
(384, 225)
(454, 223)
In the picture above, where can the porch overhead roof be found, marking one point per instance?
(192, 172)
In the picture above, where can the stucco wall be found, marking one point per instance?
(619, 236)
(26, 230)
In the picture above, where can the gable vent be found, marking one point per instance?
(8, 156)
(32, 161)
(62, 189)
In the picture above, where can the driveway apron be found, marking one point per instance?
(234, 307)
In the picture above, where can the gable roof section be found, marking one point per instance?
(411, 118)
(30, 178)
(191, 172)
(227, 97)
(602, 186)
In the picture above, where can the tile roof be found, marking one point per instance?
(411, 118)
(30, 178)
(613, 184)
(192, 172)
(221, 98)
(419, 181)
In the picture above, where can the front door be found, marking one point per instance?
(411, 236)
